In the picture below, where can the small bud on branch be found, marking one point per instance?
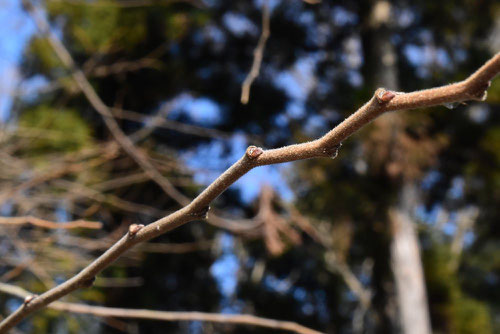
(384, 96)
(134, 228)
(253, 152)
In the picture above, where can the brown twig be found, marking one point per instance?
(257, 54)
(190, 129)
(100, 311)
(132, 3)
(473, 88)
(49, 224)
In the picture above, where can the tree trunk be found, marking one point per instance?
(411, 294)
(411, 297)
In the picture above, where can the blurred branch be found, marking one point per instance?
(131, 3)
(472, 88)
(172, 125)
(49, 224)
(257, 54)
(100, 311)
(275, 227)
(148, 247)
(333, 263)
(80, 190)
(124, 66)
(465, 222)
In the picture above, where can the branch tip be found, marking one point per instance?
(254, 152)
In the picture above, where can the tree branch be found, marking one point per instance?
(257, 54)
(100, 311)
(473, 88)
(49, 224)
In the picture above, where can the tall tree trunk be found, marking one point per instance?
(406, 264)
(411, 297)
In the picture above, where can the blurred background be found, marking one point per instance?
(329, 244)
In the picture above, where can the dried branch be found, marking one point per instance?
(237, 319)
(147, 247)
(17, 221)
(169, 124)
(473, 88)
(257, 54)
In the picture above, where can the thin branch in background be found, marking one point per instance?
(312, 2)
(277, 233)
(100, 311)
(334, 264)
(30, 220)
(258, 54)
(465, 223)
(132, 3)
(147, 247)
(77, 190)
(164, 123)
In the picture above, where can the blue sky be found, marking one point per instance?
(15, 32)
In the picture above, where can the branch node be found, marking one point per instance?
(332, 151)
(253, 152)
(383, 95)
(481, 93)
(28, 299)
(133, 229)
(202, 214)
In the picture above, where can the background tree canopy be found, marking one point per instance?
(301, 228)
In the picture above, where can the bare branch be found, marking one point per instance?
(49, 224)
(257, 54)
(473, 88)
(133, 3)
(169, 124)
(237, 319)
